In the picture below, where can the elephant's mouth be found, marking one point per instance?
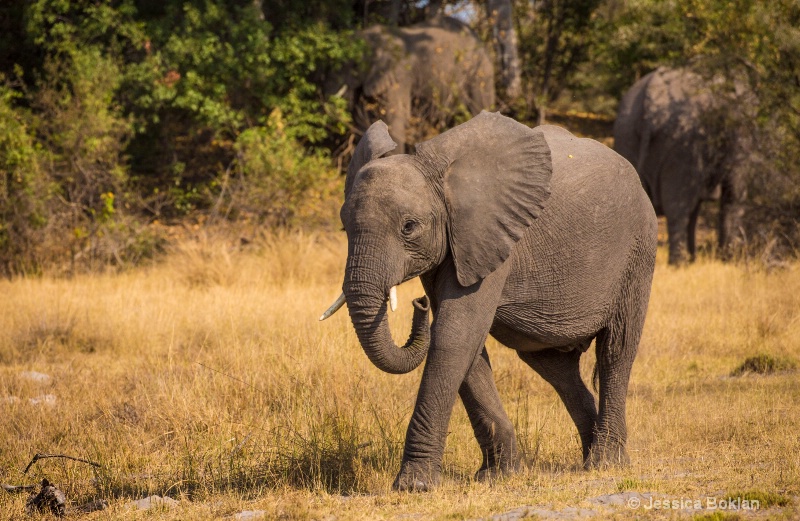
(339, 302)
(368, 314)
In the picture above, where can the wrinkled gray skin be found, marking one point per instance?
(668, 129)
(431, 68)
(541, 239)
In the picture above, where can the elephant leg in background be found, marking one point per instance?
(731, 211)
(493, 429)
(562, 370)
(691, 233)
(681, 224)
(480, 88)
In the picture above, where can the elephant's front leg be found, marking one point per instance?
(460, 327)
(493, 429)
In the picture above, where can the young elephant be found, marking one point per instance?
(541, 239)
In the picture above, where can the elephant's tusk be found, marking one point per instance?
(334, 307)
(393, 298)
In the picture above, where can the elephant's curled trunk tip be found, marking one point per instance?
(420, 338)
(422, 304)
(375, 339)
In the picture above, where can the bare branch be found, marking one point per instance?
(39, 456)
(16, 488)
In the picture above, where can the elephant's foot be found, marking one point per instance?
(502, 463)
(602, 456)
(416, 478)
(497, 471)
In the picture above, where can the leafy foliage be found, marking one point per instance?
(554, 43)
(115, 114)
(764, 364)
(277, 179)
(135, 109)
(24, 189)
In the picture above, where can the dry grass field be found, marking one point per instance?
(208, 378)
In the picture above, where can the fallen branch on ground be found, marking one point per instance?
(38, 456)
(16, 488)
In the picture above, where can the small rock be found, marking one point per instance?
(247, 515)
(565, 514)
(630, 499)
(574, 513)
(34, 376)
(153, 502)
(44, 399)
(92, 506)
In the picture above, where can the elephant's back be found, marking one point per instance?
(435, 33)
(593, 229)
(456, 66)
(598, 183)
(627, 125)
(444, 44)
(675, 100)
(596, 191)
(585, 169)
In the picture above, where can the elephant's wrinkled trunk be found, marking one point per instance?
(368, 313)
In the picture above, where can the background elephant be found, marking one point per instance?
(673, 126)
(427, 72)
(541, 239)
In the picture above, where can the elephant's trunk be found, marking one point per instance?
(366, 304)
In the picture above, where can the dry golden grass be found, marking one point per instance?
(208, 378)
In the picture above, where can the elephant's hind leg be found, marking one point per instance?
(616, 349)
(493, 429)
(614, 362)
(562, 370)
(691, 232)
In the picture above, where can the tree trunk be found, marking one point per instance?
(505, 36)
(433, 9)
(258, 5)
(393, 16)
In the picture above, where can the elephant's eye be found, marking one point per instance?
(409, 227)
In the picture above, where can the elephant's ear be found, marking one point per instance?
(375, 143)
(496, 178)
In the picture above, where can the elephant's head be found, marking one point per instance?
(469, 193)
(383, 65)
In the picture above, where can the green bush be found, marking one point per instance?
(24, 188)
(67, 204)
(277, 179)
(129, 111)
(220, 70)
